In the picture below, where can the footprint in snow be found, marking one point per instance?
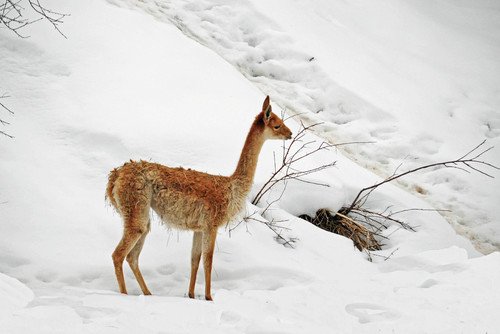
(428, 283)
(229, 317)
(89, 277)
(46, 276)
(366, 312)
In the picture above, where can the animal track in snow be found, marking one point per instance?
(383, 132)
(262, 278)
(367, 312)
(89, 277)
(229, 317)
(428, 283)
(46, 276)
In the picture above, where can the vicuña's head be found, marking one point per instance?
(274, 128)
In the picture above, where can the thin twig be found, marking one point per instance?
(6, 134)
(278, 235)
(388, 256)
(51, 16)
(13, 17)
(4, 122)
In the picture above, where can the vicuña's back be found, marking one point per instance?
(182, 198)
(185, 199)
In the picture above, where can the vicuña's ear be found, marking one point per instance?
(267, 113)
(266, 108)
(266, 104)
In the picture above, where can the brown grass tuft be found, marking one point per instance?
(345, 226)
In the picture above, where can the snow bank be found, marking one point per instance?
(13, 295)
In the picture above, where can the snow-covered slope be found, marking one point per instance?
(126, 86)
(419, 79)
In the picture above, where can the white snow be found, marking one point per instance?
(126, 86)
(14, 294)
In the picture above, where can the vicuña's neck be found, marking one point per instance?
(247, 164)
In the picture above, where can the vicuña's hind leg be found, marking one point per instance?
(195, 261)
(131, 234)
(133, 261)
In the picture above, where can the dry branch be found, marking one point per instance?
(364, 226)
(12, 15)
(272, 225)
(468, 162)
(2, 121)
(297, 150)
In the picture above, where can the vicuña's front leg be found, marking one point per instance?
(195, 261)
(208, 253)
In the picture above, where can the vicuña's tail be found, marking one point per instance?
(113, 175)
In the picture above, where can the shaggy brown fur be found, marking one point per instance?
(185, 199)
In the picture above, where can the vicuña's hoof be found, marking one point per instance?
(209, 298)
(191, 295)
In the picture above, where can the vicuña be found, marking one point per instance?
(185, 199)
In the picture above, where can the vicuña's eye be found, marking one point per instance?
(277, 127)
